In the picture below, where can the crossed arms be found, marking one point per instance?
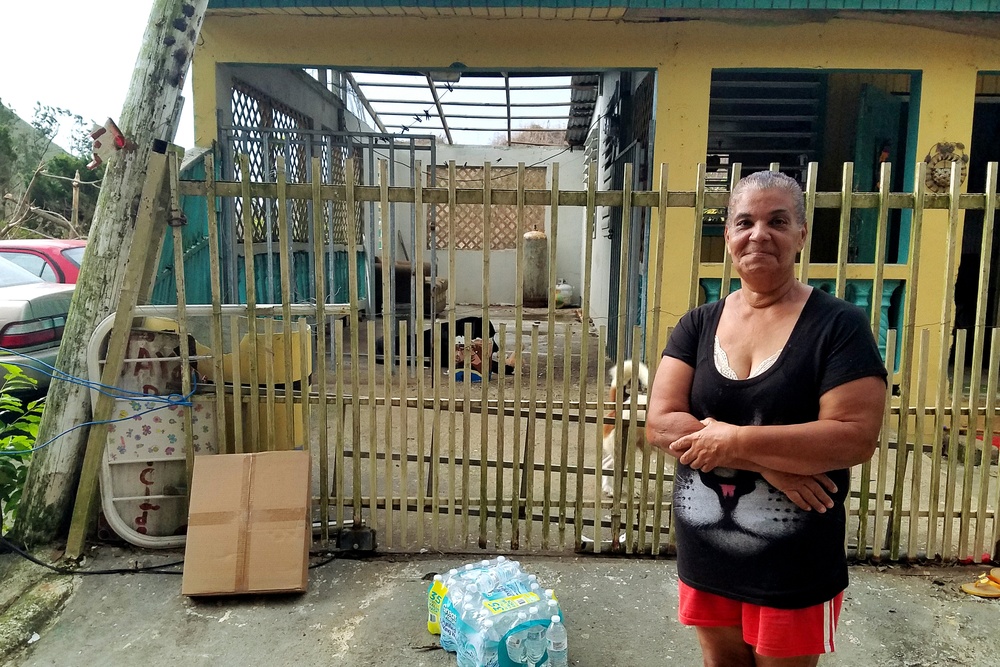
(793, 458)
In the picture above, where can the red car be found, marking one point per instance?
(52, 260)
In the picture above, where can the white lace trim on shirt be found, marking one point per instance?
(722, 363)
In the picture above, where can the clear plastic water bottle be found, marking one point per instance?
(509, 620)
(492, 577)
(478, 649)
(558, 644)
(449, 620)
(467, 654)
(488, 653)
(552, 608)
(534, 640)
(469, 614)
(474, 630)
(515, 648)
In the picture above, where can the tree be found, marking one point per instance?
(36, 176)
(149, 115)
(534, 134)
(7, 158)
(53, 192)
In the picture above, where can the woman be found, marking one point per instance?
(766, 398)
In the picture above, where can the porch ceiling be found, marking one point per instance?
(479, 108)
(587, 9)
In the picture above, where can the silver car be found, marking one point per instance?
(32, 317)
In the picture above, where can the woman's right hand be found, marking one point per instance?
(808, 492)
(668, 415)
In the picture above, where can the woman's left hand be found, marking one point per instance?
(712, 447)
(809, 492)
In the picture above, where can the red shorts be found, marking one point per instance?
(776, 633)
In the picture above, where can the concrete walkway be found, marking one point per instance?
(372, 613)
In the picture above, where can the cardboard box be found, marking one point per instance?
(249, 524)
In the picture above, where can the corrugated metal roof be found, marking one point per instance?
(481, 107)
(583, 100)
(593, 8)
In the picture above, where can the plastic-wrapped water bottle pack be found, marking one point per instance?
(493, 614)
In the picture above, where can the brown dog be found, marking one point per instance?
(632, 379)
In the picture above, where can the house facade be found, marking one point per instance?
(716, 81)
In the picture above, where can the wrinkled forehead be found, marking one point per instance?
(773, 199)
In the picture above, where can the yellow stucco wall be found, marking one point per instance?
(684, 55)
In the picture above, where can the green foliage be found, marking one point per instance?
(18, 434)
(47, 121)
(7, 156)
(38, 175)
(53, 191)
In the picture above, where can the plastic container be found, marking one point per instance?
(435, 598)
(557, 643)
(514, 641)
(492, 577)
(491, 614)
(563, 294)
(534, 640)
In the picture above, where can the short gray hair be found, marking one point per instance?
(772, 180)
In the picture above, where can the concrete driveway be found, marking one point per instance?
(372, 613)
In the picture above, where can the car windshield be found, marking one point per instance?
(12, 275)
(74, 255)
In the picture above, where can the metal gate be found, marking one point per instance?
(347, 235)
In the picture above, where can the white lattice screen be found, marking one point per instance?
(468, 223)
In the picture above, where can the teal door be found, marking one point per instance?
(877, 140)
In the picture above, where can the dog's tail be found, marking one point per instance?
(633, 376)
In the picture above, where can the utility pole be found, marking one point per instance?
(150, 113)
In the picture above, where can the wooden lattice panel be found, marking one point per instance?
(468, 218)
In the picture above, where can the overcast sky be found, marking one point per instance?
(75, 55)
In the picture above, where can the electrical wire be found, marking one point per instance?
(148, 569)
(168, 401)
(58, 374)
(96, 184)
(326, 561)
(498, 176)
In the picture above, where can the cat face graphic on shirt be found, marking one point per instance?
(734, 510)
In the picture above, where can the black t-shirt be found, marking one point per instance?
(737, 536)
